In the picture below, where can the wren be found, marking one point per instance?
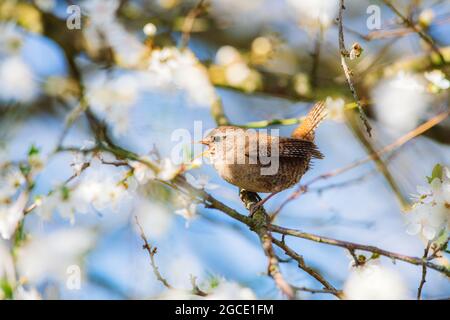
(259, 162)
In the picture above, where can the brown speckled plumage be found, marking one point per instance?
(236, 154)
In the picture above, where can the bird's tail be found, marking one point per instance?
(315, 116)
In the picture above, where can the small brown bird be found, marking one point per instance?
(259, 162)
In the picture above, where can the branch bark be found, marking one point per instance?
(352, 246)
(259, 225)
(344, 54)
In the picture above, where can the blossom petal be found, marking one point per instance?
(413, 228)
(429, 232)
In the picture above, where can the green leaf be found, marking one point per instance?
(436, 173)
(19, 235)
(6, 288)
(375, 256)
(33, 151)
(442, 239)
(25, 169)
(214, 282)
(65, 193)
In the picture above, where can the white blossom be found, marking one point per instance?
(17, 80)
(374, 282)
(78, 163)
(335, 109)
(100, 190)
(426, 219)
(400, 102)
(61, 201)
(101, 12)
(49, 256)
(237, 73)
(112, 98)
(11, 179)
(315, 13)
(11, 38)
(431, 212)
(7, 270)
(227, 55)
(188, 208)
(142, 172)
(149, 29)
(236, 70)
(201, 182)
(26, 294)
(173, 67)
(105, 31)
(227, 290)
(11, 215)
(168, 170)
(437, 77)
(129, 51)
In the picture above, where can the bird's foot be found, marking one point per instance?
(255, 207)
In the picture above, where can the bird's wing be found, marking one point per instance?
(285, 147)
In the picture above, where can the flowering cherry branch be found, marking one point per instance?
(259, 222)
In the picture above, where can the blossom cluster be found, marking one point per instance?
(17, 79)
(171, 66)
(430, 214)
(231, 69)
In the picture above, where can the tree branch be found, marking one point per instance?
(352, 246)
(344, 53)
(259, 225)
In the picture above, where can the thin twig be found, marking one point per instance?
(305, 289)
(344, 53)
(189, 21)
(195, 289)
(302, 265)
(35, 204)
(424, 271)
(422, 34)
(316, 56)
(437, 250)
(355, 257)
(151, 252)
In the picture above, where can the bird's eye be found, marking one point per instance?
(217, 138)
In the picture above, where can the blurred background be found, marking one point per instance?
(144, 69)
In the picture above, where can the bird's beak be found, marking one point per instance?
(205, 142)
